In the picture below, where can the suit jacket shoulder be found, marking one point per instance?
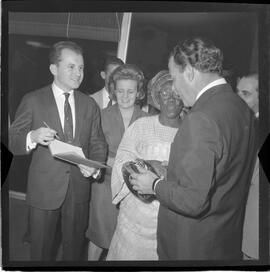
(98, 97)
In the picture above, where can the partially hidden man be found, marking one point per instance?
(56, 190)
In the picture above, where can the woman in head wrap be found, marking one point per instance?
(149, 139)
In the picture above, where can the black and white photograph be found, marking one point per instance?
(133, 135)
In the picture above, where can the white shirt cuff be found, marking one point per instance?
(29, 144)
(156, 184)
(96, 175)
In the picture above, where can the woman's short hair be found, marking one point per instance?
(127, 71)
(200, 53)
(55, 53)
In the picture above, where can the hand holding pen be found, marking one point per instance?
(56, 134)
(43, 135)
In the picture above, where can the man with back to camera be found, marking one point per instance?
(57, 190)
(247, 89)
(102, 97)
(204, 195)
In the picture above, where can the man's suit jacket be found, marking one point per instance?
(210, 167)
(48, 178)
(250, 244)
(98, 96)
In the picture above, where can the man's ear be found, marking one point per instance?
(53, 69)
(103, 74)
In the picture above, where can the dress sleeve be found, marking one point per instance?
(126, 152)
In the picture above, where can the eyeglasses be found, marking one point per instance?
(167, 94)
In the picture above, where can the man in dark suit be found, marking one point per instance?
(204, 195)
(57, 190)
(102, 97)
(248, 90)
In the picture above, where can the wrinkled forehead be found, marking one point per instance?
(248, 84)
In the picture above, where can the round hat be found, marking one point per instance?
(161, 80)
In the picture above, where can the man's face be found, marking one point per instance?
(181, 83)
(108, 72)
(68, 73)
(247, 89)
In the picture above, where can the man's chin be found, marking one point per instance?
(75, 86)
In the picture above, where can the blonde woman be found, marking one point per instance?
(126, 88)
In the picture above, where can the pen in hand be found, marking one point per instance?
(56, 135)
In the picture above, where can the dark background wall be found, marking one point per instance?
(29, 65)
(153, 36)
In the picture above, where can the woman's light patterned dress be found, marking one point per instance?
(135, 234)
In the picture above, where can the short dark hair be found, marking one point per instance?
(111, 60)
(200, 53)
(55, 53)
(251, 75)
(127, 71)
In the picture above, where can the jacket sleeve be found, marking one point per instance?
(97, 142)
(196, 150)
(21, 126)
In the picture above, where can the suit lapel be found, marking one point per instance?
(114, 108)
(78, 117)
(135, 115)
(53, 118)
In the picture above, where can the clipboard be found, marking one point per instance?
(72, 154)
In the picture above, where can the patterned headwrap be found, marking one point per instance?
(156, 84)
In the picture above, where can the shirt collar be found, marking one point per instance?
(105, 92)
(58, 91)
(210, 85)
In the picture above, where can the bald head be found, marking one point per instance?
(247, 89)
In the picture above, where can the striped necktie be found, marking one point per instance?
(68, 122)
(109, 103)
